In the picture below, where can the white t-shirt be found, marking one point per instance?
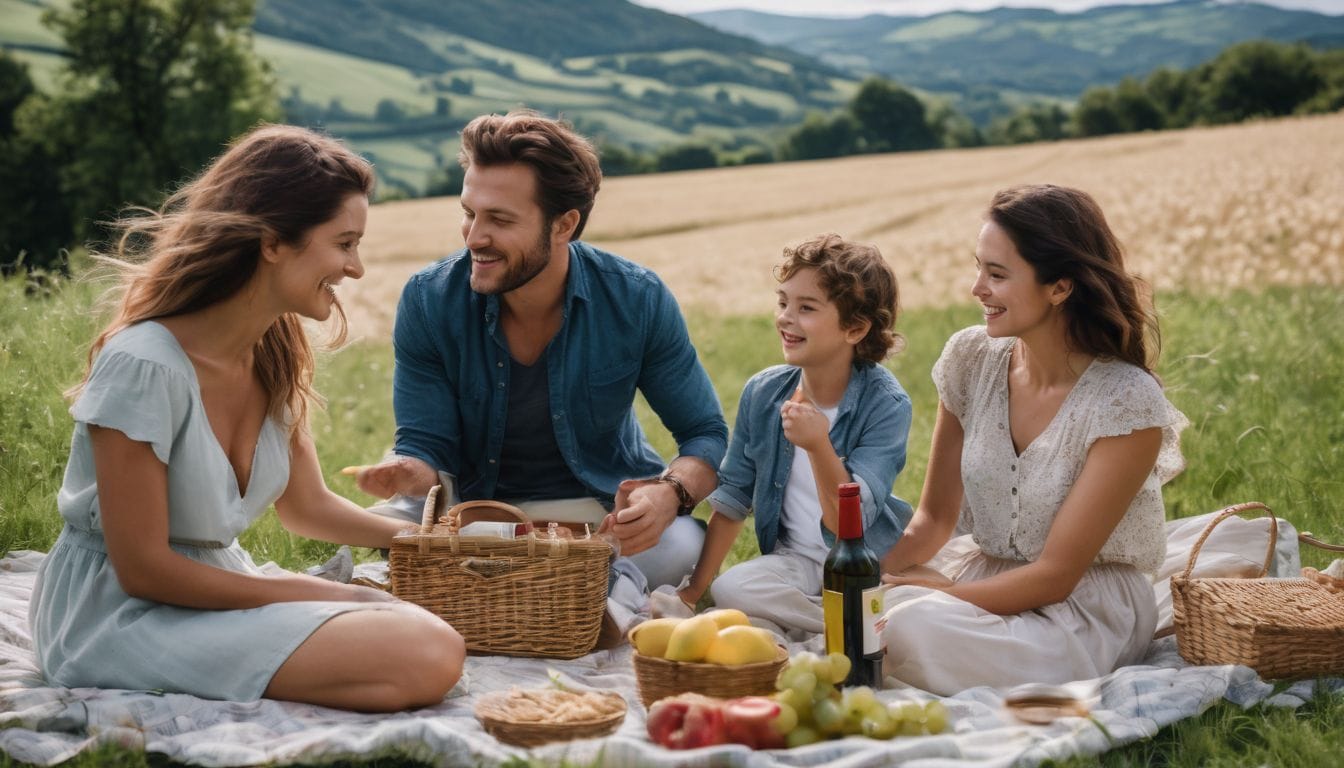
(802, 508)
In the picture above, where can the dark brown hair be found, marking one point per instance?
(1062, 233)
(565, 163)
(859, 282)
(274, 184)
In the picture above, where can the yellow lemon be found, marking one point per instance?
(691, 638)
(728, 617)
(741, 645)
(650, 637)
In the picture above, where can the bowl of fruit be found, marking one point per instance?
(809, 705)
(717, 654)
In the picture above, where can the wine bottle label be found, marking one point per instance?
(833, 609)
(872, 611)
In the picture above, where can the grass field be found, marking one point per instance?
(1241, 235)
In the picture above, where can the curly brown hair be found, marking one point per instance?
(859, 282)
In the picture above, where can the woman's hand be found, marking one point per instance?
(399, 474)
(918, 576)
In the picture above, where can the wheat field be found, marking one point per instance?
(1208, 210)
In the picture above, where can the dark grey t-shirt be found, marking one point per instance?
(530, 464)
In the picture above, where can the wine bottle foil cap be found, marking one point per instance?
(849, 489)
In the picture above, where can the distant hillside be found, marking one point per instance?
(1030, 52)
(409, 73)
(392, 30)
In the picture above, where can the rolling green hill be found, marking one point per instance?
(399, 78)
(1035, 53)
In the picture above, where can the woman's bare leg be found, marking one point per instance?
(383, 660)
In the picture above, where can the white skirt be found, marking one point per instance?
(945, 645)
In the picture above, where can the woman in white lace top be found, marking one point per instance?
(1052, 441)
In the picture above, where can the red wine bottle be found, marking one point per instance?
(851, 595)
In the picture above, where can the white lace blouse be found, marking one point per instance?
(1010, 500)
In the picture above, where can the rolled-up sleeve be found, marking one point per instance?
(737, 474)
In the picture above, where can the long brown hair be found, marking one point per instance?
(274, 184)
(1062, 233)
(565, 163)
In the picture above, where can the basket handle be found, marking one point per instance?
(1307, 538)
(437, 500)
(483, 509)
(1237, 509)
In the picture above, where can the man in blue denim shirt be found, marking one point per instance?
(518, 358)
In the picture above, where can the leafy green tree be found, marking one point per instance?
(1260, 79)
(1096, 113)
(34, 220)
(1136, 109)
(1034, 122)
(891, 118)
(153, 90)
(821, 136)
(617, 160)
(1176, 95)
(685, 157)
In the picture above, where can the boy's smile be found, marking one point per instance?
(808, 323)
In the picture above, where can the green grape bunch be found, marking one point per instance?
(813, 707)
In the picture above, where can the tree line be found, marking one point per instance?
(1247, 80)
(152, 91)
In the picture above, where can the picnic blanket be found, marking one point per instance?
(44, 725)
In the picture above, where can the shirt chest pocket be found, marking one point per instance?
(610, 393)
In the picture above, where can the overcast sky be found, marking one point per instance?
(925, 7)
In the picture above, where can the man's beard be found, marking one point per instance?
(519, 273)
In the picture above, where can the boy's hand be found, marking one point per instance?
(804, 424)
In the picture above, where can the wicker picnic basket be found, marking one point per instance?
(657, 678)
(536, 595)
(1283, 628)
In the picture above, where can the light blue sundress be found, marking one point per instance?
(87, 632)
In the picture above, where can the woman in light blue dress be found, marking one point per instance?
(192, 421)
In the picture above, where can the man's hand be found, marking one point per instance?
(804, 424)
(399, 474)
(643, 510)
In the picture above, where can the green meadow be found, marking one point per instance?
(1258, 374)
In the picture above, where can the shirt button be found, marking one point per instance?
(492, 461)
(499, 364)
(1013, 515)
(501, 385)
(1014, 491)
(1014, 467)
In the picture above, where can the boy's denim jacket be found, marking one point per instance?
(869, 434)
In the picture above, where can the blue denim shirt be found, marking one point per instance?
(622, 330)
(869, 434)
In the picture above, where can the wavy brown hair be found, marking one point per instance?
(565, 163)
(1062, 233)
(274, 184)
(859, 282)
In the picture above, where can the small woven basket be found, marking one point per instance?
(508, 716)
(1289, 628)
(538, 595)
(657, 678)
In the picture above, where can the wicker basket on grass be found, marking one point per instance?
(657, 678)
(1288, 628)
(537, 595)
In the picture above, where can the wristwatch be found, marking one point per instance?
(685, 501)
